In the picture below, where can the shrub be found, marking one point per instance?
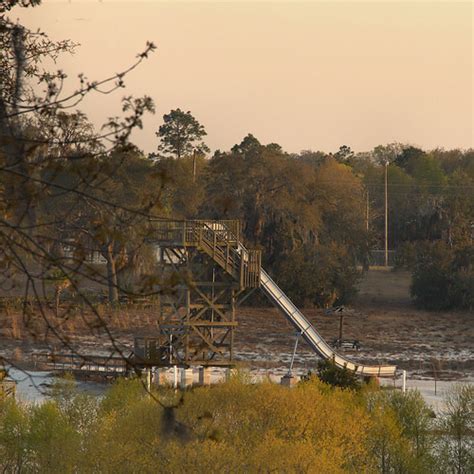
(328, 372)
(443, 277)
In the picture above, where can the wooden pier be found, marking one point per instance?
(103, 367)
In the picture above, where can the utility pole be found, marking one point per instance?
(367, 212)
(194, 166)
(386, 213)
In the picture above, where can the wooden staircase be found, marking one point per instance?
(220, 241)
(215, 240)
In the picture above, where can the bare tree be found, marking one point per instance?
(57, 184)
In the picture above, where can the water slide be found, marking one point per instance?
(212, 232)
(309, 333)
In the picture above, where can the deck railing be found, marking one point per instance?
(70, 362)
(219, 240)
(187, 232)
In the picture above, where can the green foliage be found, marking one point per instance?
(321, 276)
(53, 440)
(431, 277)
(272, 428)
(299, 211)
(407, 156)
(309, 210)
(430, 194)
(392, 448)
(180, 134)
(328, 372)
(344, 154)
(14, 429)
(309, 206)
(184, 192)
(79, 409)
(461, 291)
(443, 277)
(416, 422)
(455, 448)
(238, 426)
(122, 395)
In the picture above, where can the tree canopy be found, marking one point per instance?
(181, 134)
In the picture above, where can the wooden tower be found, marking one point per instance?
(205, 277)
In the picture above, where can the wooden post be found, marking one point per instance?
(341, 323)
(175, 377)
(148, 379)
(204, 376)
(187, 377)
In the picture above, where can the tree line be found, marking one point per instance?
(315, 216)
(318, 216)
(68, 190)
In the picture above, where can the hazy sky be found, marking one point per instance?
(311, 75)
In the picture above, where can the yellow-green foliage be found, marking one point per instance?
(232, 427)
(267, 425)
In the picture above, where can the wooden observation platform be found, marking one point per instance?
(206, 272)
(206, 276)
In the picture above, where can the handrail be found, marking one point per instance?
(220, 240)
(247, 270)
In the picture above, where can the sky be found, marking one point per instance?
(307, 75)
